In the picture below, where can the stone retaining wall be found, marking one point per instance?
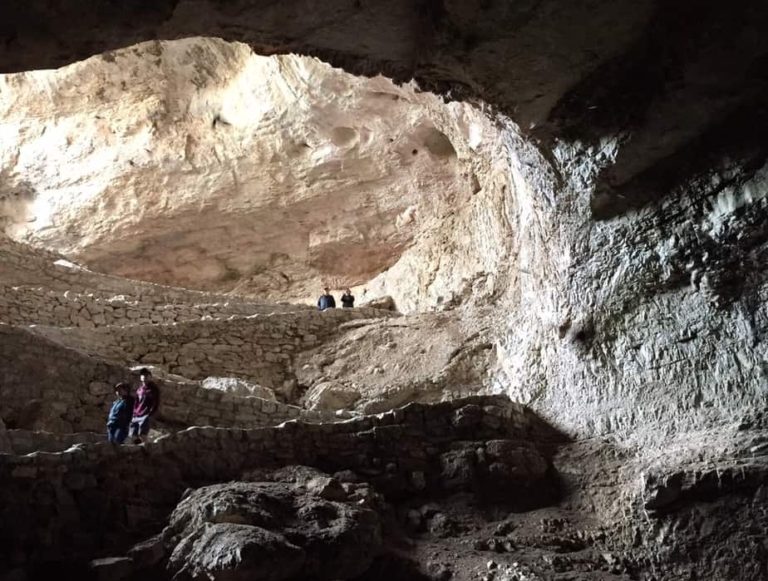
(39, 287)
(259, 348)
(39, 306)
(71, 392)
(63, 504)
(44, 386)
(26, 441)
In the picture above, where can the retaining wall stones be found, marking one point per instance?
(46, 386)
(40, 287)
(22, 265)
(26, 305)
(26, 441)
(259, 348)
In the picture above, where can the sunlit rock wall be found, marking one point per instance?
(645, 324)
(200, 164)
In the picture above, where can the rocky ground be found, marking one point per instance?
(607, 521)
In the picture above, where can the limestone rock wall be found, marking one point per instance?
(40, 286)
(416, 358)
(25, 266)
(196, 149)
(625, 255)
(645, 324)
(522, 56)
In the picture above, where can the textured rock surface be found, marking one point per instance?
(193, 151)
(376, 365)
(269, 531)
(523, 56)
(237, 386)
(585, 68)
(72, 392)
(685, 224)
(651, 322)
(45, 496)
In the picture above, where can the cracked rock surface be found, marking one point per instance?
(268, 531)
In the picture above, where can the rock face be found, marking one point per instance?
(269, 531)
(400, 453)
(193, 151)
(645, 324)
(376, 365)
(617, 220)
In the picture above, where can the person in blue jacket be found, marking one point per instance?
(326, 301)
(120, 414)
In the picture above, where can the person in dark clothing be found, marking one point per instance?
(120, 414)
(347, 299)
(326, 301)
(147, 402)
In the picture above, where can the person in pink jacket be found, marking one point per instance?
(145, 406)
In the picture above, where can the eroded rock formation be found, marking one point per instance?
(203, 165)
(267, 530)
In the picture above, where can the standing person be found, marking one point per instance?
(120, 414)
(347, 299)
(147, 402)
(326, 301)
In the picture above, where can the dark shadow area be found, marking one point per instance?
(734, 146)
(391, 566)
(690, 93)
(47, 570)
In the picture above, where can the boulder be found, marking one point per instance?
(271, 530)
(511, 472)
(238, 552)
(331, 396)
(111, 568)
(147, 553)
(327, 488)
